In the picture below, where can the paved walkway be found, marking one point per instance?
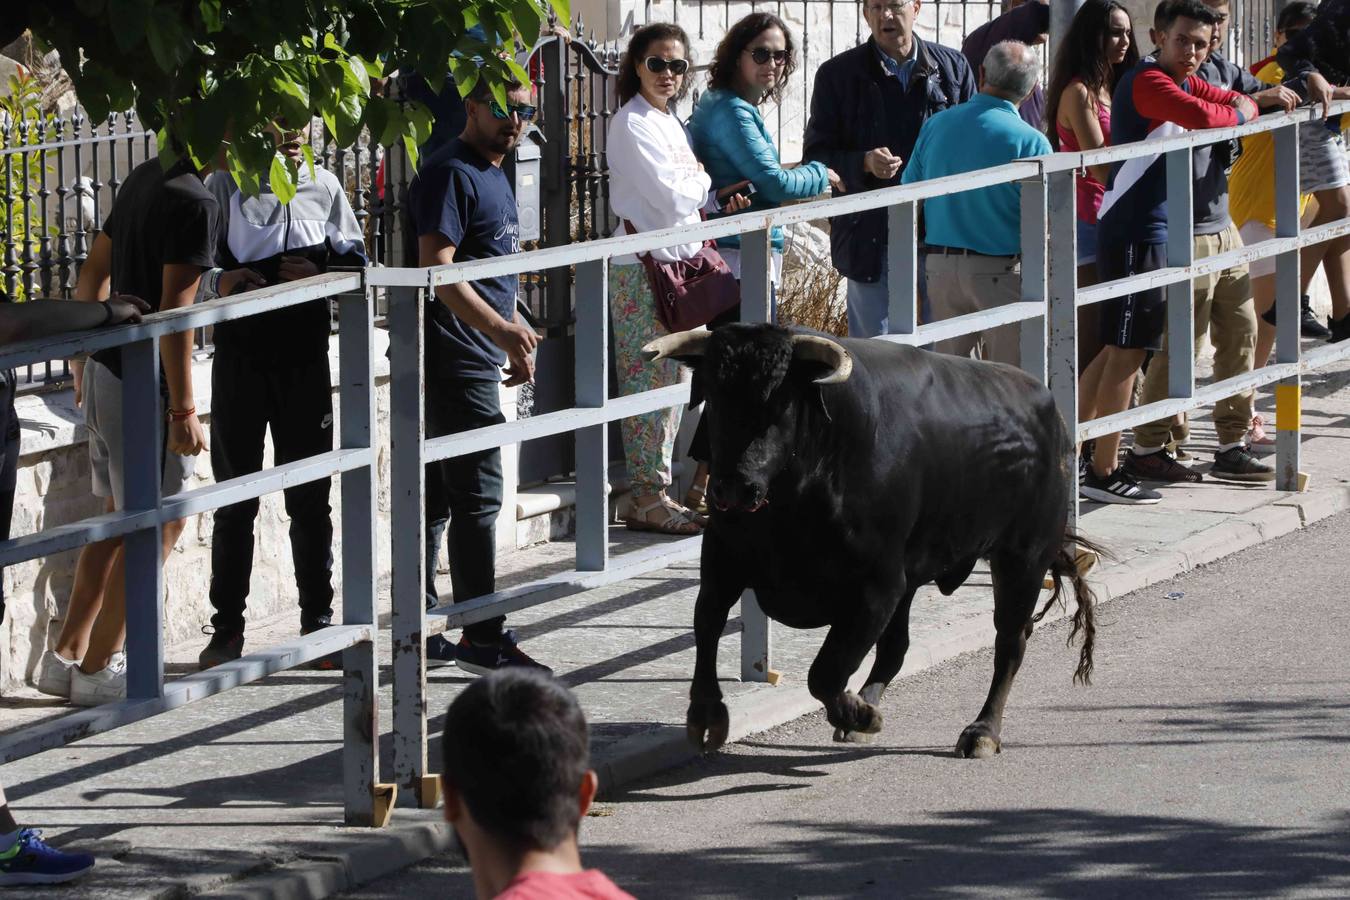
(240, 795)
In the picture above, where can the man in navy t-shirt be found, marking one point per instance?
(463, 208)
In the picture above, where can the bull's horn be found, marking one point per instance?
(682, 343)
(822, 350)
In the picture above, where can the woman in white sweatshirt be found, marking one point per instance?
(655, 182)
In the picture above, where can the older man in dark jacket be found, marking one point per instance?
(866, 111)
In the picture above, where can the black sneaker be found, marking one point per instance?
(1308, 324)
(1159, 466)
(1118, 487)
(311, 624)
(226, 645)
(1085, 459)
(481, 659)
(440, 652)
(1339, 328)
(1238, 464)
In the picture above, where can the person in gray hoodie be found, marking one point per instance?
(271, 372)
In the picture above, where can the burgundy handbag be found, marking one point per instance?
(690, 293)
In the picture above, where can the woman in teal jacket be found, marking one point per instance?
(752, 66)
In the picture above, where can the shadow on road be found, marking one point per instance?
(1038, 852)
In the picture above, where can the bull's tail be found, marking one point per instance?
(1069, 564)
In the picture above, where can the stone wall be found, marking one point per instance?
(53, 489)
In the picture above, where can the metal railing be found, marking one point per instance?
(1045, 314)
(138, 525)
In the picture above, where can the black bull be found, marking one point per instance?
(847, 474)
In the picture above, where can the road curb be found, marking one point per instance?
(421, 834)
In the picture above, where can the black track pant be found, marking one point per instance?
(292, 397)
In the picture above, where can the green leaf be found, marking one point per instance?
(167, 44)
(292, 95)
(308, 151)
(410, 146)
(210, 10)
(562, 9)
(281, 179)
(518, 73)
(421, 120)
(128, 19)
(89, 8)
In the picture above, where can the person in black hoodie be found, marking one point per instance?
(271, 372)
(867, 107)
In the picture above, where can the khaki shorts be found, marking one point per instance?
(103, 418)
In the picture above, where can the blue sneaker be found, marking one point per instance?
(440, 652)
(480, 659)
(30, 861)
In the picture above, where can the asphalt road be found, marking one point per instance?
(1208, 759)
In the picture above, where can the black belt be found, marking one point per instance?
(962, 251)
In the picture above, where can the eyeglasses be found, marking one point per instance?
(895, 9)
(525, 112)
(658, 65)
(761, 55)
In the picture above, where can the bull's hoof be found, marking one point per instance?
(977, 743)
(853, 737)
(850, 713)
(873, 693)
(707, 724)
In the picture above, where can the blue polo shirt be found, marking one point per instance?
(984, 131)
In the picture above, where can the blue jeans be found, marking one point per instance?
(869, 303)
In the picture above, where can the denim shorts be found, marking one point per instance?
(1087, 242)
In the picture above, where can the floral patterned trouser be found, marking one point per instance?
(648, 439)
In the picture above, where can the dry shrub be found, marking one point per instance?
(811, 294)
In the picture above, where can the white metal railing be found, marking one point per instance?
(1046, 316)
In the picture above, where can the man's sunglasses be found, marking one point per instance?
(658, 65)
(525, 112)
(761, 55)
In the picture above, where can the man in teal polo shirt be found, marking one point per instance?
(975, 237)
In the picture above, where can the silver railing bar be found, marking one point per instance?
(621, 568)
(185, 690)
(559, 422)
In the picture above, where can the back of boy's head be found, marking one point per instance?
(515, 749)
(1168, 11)
(1295, 14)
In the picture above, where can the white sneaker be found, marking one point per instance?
(53, 674)
(106, 686)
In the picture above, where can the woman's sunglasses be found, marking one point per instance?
(761, 55)
(658, 65)
(525, 112)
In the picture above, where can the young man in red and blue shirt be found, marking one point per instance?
(1159, 98)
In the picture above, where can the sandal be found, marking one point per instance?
(696, 501)
(676, 522)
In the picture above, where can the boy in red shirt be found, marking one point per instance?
(517, 780)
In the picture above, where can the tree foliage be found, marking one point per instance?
(192, 68)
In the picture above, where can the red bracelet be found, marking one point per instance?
(176, 416)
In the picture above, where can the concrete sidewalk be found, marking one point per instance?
(240, 795)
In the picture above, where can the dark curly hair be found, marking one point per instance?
(725, 67)
(629, 83)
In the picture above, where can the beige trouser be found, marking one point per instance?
(959, 285)
(1223, 307)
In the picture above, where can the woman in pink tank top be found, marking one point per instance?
(1094, 54)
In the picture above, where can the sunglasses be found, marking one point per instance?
(525, 112)
(761, 55)
(658, 65)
